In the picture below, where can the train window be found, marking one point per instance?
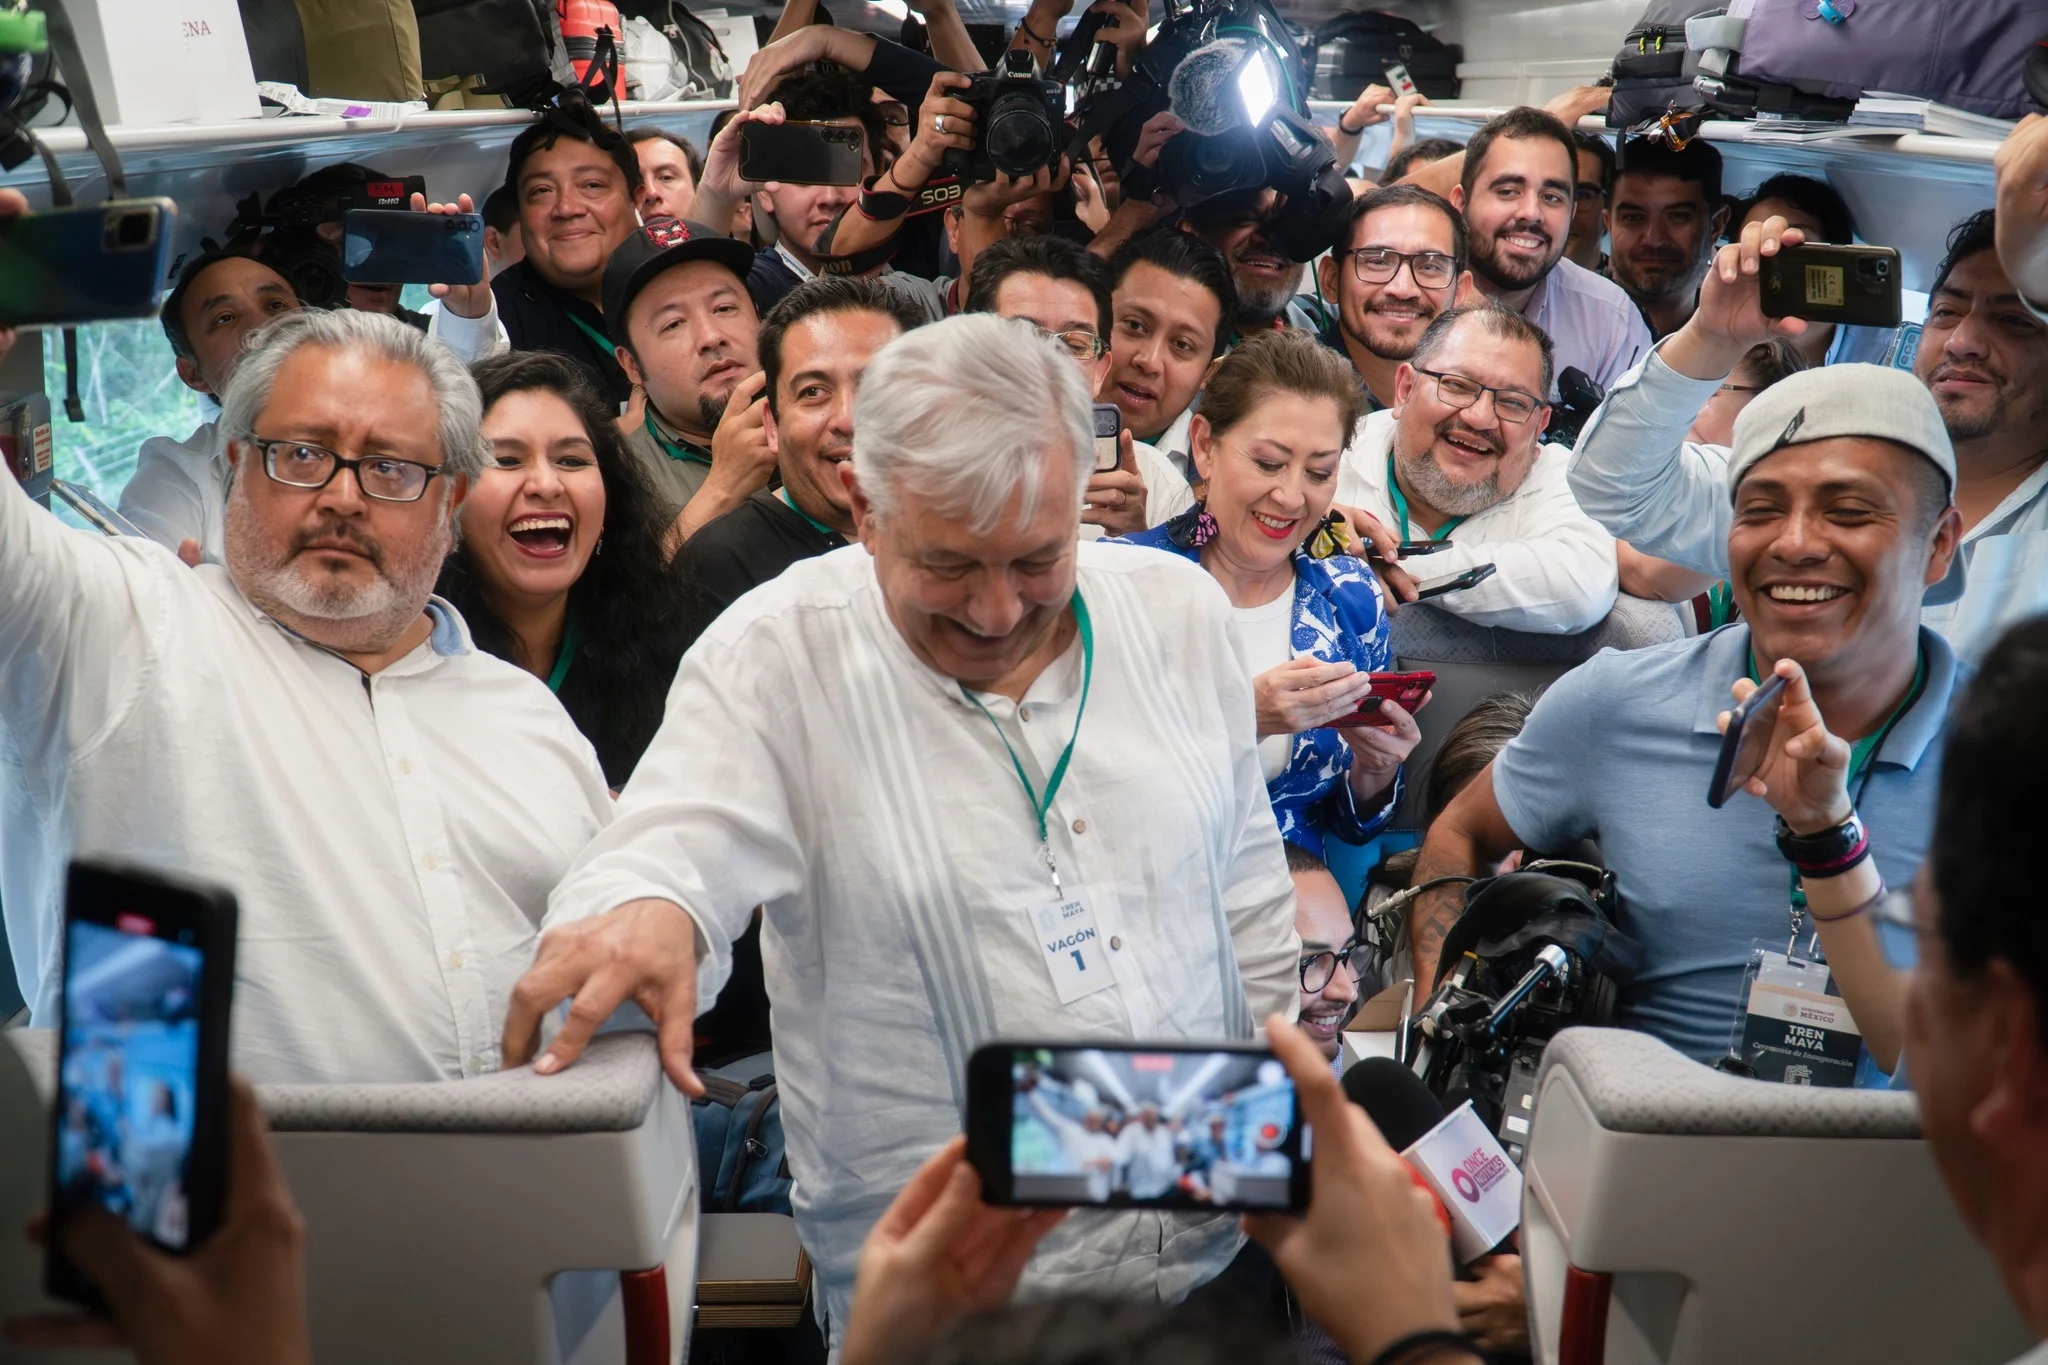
(131, 392)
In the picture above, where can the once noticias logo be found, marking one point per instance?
(1477, 1174)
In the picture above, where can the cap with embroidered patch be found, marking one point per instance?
(1872, 401)
(653, 249)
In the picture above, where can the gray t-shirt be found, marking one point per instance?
(675, 469)
(1622, 749)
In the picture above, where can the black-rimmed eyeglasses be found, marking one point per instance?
(1379, 265)
(301, 464)
(1510, 405)
(1318, 968)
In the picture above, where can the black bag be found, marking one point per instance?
(277, 42)
(1354, 50)
(1654, 70)
(742, 1164)
(510, 44)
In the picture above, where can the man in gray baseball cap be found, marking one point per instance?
(1841, 485)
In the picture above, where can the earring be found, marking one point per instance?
(598, 548)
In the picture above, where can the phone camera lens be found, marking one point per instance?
(133, 230)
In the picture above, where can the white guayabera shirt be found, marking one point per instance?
(812, 764)
(391, 839)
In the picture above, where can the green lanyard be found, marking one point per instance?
(820, 527)
(1042, 807)
(605, 345)
(572, 635)
(1861, 754)
(674, 450)
(1401, 504)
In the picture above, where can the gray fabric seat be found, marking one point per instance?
(487, 1219)
(1713, 1219)
(1472, 663)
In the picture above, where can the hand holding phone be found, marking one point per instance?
(1165, 1126)
(139, 1126)
(1405, 690)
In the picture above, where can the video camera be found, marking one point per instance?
(286, 230)
(1020, 121)
(1237, 76)
(1535, 951)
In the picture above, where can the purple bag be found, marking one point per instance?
(1964, 53)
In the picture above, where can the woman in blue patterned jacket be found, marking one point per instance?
(1311, 626)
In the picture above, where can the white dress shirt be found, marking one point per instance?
(1592, 323)
(861, 798)
(1150, 1165)
(1635, 470)
(1554, 567)
(179, 490)
(1177, 443)
(391, 838)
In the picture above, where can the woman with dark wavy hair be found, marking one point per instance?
(559, 568)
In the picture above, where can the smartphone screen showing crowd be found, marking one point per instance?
(393, 246)
(1856, 286)
(139, 1124)
(800, 153)
(85, 264)
(1168, 1127)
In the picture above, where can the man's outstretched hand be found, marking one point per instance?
(644, 951)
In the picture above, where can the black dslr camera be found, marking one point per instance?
(1020, 121)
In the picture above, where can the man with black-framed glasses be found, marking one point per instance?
(1401, 263)
(1460, 459)
(1331, 956)
(303, 723)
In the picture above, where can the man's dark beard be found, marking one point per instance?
(1683, 286)
(711, 411)
(1484, 264)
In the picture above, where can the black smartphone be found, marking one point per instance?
(85, 264)
(1421, 547)
(1160, 1126)
(1109, 420)
(800, 153)
(139, 1126)
(397, 246)
(1858, 286)
(1437, 587)
(1746, 741)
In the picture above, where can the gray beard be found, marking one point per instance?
(1451, 499)
(330, 613)
(1258, 308)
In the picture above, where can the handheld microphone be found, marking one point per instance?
(1477, 1188)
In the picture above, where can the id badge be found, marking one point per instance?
(1793, 1028)
(1074, 955)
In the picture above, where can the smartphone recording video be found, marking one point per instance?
(91, 264)
(1855, 286)
(1141, 1127)
(394, 246)
(1109, 420)
(138, 1127)
(800, 153)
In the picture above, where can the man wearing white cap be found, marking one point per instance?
(1841, 515)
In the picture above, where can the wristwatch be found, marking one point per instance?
(1825, 853)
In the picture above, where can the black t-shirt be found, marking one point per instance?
(540, 317)
(733, 554)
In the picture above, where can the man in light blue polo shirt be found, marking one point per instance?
(1842, 483)
(1982, 355)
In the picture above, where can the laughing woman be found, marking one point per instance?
(559, 568)
(1311, 627)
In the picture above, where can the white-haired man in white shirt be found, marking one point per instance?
(305, 724)
(987, 782)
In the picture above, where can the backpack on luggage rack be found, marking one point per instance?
(742, 1163)
(700, 69)
(511, 49)
(1653, 72)
(1354, 50)
(1813, 59)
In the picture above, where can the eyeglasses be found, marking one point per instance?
(1081, 343)
(300, 464)
(1379, 264)
(1318, 968)
(1510, 405)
